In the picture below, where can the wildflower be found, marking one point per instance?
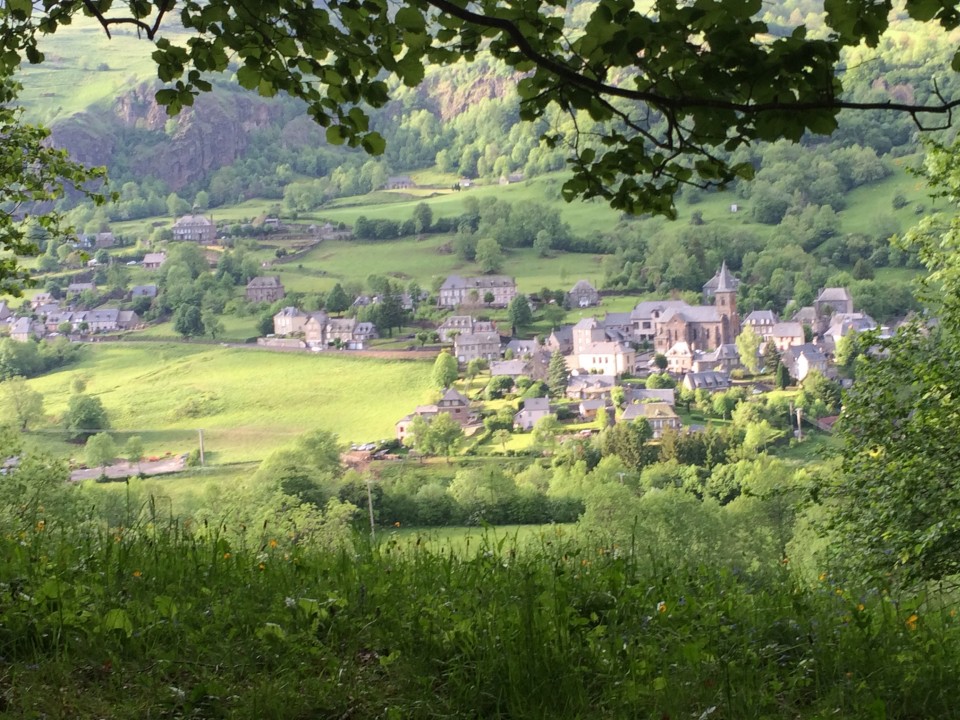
(396, 524)
(911, 622)
(41, 525)
(861, 607)
(227, 556)
(137, 573)
(262, 566)
(953, 613)
(289, 602)
(823, 577)
(273, 543)
(661, 607)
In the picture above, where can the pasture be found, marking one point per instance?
(247, 401)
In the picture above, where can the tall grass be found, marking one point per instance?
(162, 620)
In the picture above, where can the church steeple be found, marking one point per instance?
(723, 287)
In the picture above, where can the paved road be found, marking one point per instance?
(172, 464)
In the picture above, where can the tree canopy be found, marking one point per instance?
(667, 89)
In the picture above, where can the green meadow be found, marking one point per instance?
(247, 401)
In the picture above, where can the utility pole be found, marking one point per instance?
(373, 533)
(200, 434)
(799, 426)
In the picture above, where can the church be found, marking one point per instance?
(704, 327)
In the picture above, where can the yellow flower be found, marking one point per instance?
(262, 566)
(273, 543)
(137, 573)
(911, 622)
(41, 525)
(396, 524)
(823, 577)
(861, 607)
(661, 607)
(227, 556)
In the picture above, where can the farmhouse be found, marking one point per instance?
(24, 329)
(660, 416)
(74, 289)
(452, 403)
(400, 182)
(583, 294)
(290, 320)
(195, 228)
(477, 346)
(707, 380)
(833, 300)
(153, 261)
(457, 290)
(464, 325)
(265, 289)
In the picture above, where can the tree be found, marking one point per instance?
(187, 321)
(34, 175)
(546, 430)
(502, 437)
(782, 378)
(627, 441)
(133, 450)
(748, 345)
(442, 436)
(422, 218)
(445, 370)
(85, 416)
(26, 403)
(489, 256)
(100, 451)
(672, 112)
(543, 243)
(422, 336)
(212, 325)
(660, 361)
(519, 312)
(897, 500)
(558, 376)
(337, 300)
(771, 358)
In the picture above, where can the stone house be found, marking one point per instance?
(707, 380)
(399, 182)
(289, 321)
(457, 290)
(314, 327)
(583, 294)
(74, 289)
(833, 300)
(785, 335)
(195, 228)
(148, 291)
(267, 288)
(762, 322)
(153, 261)
(660, 416)
(477, 346)
(24, 329)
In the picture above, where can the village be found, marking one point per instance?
(606, 367)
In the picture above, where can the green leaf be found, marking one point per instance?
(248, 77)
(117, 619)
(336, 135)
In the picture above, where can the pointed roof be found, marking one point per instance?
(723, 281)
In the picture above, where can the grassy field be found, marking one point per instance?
(247, 401)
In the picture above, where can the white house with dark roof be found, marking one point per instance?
(533, 410)
(803, 359)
